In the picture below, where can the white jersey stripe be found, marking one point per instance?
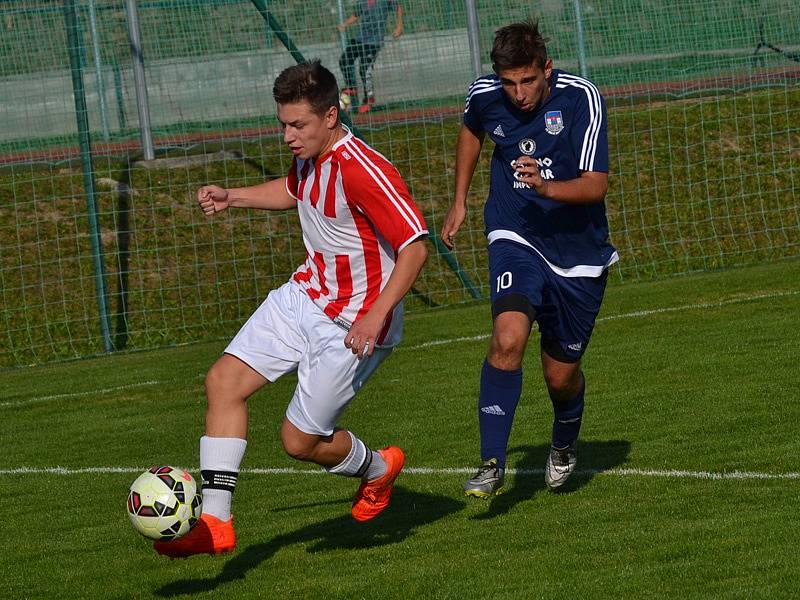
(590, 137)
(576, 271)
(594, 99)
(480, 91)
(589, 148)
(483, 89)
(387, 187)
(489, 79)
(480, 86)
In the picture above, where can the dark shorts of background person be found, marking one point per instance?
(365, 54)
(565, 308)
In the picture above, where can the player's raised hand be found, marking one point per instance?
(527, 171)
(212, 199)
(452, 222)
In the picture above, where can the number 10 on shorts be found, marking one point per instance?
(504, 281)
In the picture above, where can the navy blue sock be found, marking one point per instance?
(567, 419)
(500, 392)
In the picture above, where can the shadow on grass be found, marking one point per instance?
(593, 457)
(408, 511)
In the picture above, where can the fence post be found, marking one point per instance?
(140, 82)
(342, 34)
(101, 90)
(123, 124)
(581, 41)
(474, 35)
(74, 44)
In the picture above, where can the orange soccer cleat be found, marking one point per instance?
(366, 106)
(210, 536)
(373, 496)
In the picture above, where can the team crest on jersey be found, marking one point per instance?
(527, 146)
(553, 122)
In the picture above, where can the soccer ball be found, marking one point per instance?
(163, 503)
(345, 102)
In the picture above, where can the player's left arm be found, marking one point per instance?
(381, 195)
(362, 335)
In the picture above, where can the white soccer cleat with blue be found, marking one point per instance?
(560, 465)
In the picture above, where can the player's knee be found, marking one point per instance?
(562, 384)
(507, 348)
(298, 448)
(215, 378)
(220, 386)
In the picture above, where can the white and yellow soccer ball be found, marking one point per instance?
(345, 102)
(163, 503)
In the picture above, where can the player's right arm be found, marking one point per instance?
(270, 195)
(468, 149)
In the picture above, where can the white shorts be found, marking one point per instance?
(289, 332)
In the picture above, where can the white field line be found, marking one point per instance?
(629, 315)
(442, 342)
(618, 472)
(79, 394)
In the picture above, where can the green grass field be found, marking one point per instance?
(688, 484)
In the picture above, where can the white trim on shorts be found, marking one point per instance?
(576, 271)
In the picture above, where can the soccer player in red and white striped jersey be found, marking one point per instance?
(333, 322)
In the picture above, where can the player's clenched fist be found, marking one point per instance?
(212, 199)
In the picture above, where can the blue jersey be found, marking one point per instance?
(566, 135)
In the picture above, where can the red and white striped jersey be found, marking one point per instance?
(356, 214)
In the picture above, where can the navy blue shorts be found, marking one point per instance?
(565, 308)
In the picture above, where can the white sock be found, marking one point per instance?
(360, 462)
(377, 468)
(219, 466)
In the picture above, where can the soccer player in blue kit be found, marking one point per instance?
(547, 230)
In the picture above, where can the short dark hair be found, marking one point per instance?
(518, 45)
(308, 81)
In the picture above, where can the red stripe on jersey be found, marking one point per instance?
(303, 277)
(330, 193)
(314, 194)
(303, 178)
(384, 172)
(319, 263)
(291, 179)
(319, 260)
(372, 260)
(344, 278)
